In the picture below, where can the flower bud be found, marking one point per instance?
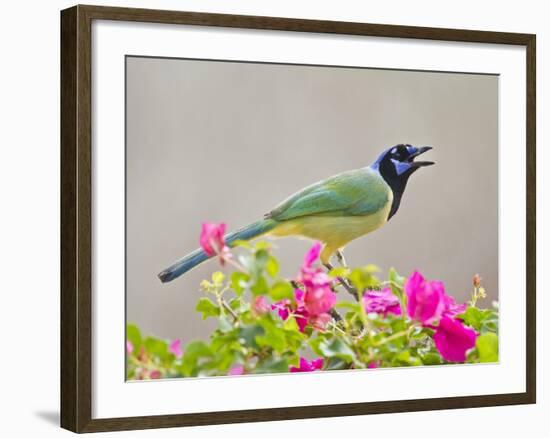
(477, 281)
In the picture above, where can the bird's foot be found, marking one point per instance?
(335, 315)
(345, 283)
(341, 258)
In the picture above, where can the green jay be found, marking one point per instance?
(334, 211)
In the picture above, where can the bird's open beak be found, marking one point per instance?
(420, 152)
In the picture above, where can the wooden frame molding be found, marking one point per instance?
(76, 217)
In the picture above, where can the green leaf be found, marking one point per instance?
(406, 358)
(364, 278)
(354, 307)
(431, 358)
(340, 271)
(262, 245)
(242, 244)
(156, 347)
(281, 290)
(396, 283)
(487, 346)
(247, 335)
(197, 349)
(134, 336)
(239, 281)
(273, 339)
(418, 334)
(224, 360)
(398, 325)
(218, 278)
(272, 266)
(272, 365)
(490, 326)
(207, 308)
(262, 256)
(481, 320)
(194, 353)
(335, 363)
(273, 336)
(260, 287)
(371, 269)
(224, 324)
(290, 324)
(472, 317)
(395, 278)
(358, 279)
(236, 305)
(337, 348)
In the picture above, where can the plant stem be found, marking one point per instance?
(229, 309)
(351, 290)
(394, 336)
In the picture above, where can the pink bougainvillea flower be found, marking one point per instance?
(212, 240)
(318, 297)
(237, 370)
(312, 312)
(260, 305)
(320, 322)
(453, 339)
(451, 308)
(314, 278)
(175, 348)
(311, 305)
(425, 299)
(311, 276)
(129, 347)
(319, 300)
(373, 364)
(381, 301)
(154, 374)
(301, 317)
(283, 308)
(299, 297)
(312, 255)
(306, 365)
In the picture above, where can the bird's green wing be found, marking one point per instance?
(354, 193)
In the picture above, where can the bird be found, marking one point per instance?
(334, 211)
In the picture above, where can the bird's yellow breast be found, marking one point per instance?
(334, 231)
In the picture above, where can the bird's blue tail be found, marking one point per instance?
(198, 256)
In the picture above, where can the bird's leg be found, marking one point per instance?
(343, 282)
(337, 317)
(341, 258)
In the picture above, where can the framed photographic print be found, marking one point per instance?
(306, 218)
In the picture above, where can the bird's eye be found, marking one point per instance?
(399, 153)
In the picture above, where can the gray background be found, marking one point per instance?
(221, 141)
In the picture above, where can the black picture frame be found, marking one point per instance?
(76, 217)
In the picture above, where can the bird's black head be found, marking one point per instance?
(396, 165)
